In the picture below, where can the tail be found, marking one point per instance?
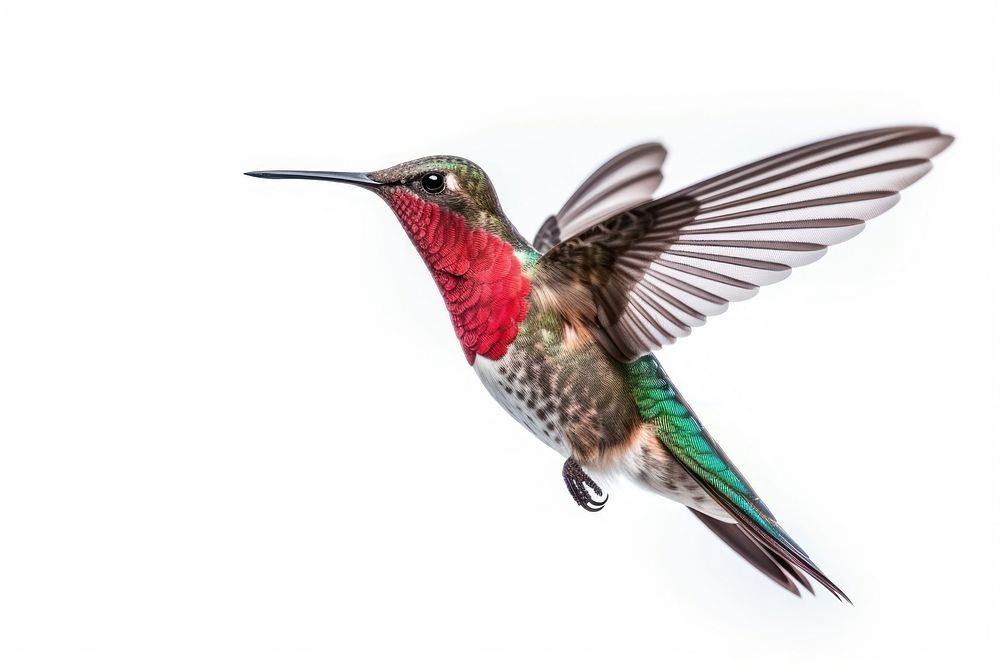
(755, 535)
(767, 560)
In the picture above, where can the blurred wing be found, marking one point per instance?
(659, 269)
(626, 180)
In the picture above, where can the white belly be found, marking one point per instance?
(514, 397)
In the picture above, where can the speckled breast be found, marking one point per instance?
(573, 398)
(507, 382)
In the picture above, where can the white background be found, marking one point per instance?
(235, 425)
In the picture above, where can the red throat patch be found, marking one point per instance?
(477, 273)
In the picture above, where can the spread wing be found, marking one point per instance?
(647, 275)
(626, 180)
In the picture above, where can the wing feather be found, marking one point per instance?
(626, 180)
(661, 267)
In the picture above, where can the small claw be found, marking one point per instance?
(593, 485)
(588, 502)
(594, 506)
(580, 486)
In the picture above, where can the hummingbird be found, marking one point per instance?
(562, 331)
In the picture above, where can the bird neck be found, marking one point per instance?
(479, 269)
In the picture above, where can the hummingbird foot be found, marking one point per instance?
(584, 490)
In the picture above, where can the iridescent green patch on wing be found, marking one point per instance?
(684, 437)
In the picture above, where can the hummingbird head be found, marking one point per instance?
(436, 184)
(450, 211)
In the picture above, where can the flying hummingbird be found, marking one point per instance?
(562, 331)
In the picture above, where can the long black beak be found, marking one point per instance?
(335, 176)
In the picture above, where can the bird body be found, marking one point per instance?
(561, 331)
(583, 404)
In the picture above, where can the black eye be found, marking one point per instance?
(432, 182)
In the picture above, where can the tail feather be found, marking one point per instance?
(683, 437)
(765, 559)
